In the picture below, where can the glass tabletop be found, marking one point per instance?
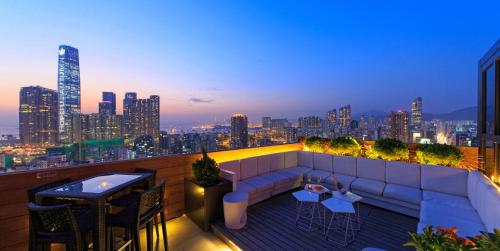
(98, 184)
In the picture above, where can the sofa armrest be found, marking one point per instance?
(231, 176)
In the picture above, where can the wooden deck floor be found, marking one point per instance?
(271, 226)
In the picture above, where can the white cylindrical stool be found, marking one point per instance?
(235, 209)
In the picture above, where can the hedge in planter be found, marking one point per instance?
(315, 144)
(346, 145)
(439, 154)
(388, 149)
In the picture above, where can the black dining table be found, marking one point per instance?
(95, 191)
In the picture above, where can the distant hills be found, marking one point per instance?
(468, 113)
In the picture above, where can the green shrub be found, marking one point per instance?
(346, 145)
(206, 170)
(315, 144)
(439, 154)
(388, 149)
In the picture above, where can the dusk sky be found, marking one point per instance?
(210, 59)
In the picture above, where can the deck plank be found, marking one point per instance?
(271, 226)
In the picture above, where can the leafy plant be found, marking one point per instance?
(446, 239)
(346, 145)
(388, 149)
(439, 154)
(315, 144)
(206, 170)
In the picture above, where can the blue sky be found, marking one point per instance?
(209, 59)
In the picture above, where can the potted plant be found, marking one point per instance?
(388, 149)
(315, 144)
(203, 193)
(446, 239)
(346, 145)
(439, 154)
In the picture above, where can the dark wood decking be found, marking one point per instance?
(271, 226)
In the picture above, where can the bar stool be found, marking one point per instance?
(340, 207)
(307, 207)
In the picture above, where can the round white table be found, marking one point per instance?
(235, 209)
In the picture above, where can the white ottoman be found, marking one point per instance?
(235, 209)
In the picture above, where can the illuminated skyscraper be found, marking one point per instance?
(145, 117)
(105, 108)
(416, 113)
(266, 122)
(110, 97)
(399, 125)
(38, 115)
(130, 98)
(331, 117)
(345, 116)
(239, 131)
(68, 88)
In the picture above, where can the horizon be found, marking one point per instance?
(208, 61)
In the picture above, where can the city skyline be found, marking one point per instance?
(199, 84)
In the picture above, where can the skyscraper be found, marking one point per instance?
(331, 117)
(266, 122)
(68, 88)
(399, 125)
(416, 113)
(345, 116)
(105, 108)
(38, 115)
(110, 97)
(145, 117)
(130, 98)
(239, 131)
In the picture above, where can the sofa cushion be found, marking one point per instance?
(472, 187)
(305, 159)
(444, 179)
(276, 178)
(298, 169)
(233, 166)
(402, 173)
(344, 165)
(263, 164)
(260, 183)
(346, 180)
(277, 161)
(291, 159)
(245, 188)
(373, 169)
(291, 175)
(404, 193)
(486, 201)
(448, 199)
(369, 186)
(323, 161)
(433, 207)
(249, 168)
(316, 175)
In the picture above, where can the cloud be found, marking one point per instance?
(200, 100)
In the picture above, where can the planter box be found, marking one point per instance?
(204, 204)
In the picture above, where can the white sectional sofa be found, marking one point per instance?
(437, 195)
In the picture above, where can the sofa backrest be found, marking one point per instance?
(485, 198)
(277, 161)
(345, 165)
(402, 173)
(323, 161)
(263, 164)
(249, 168)
(373, 169)
(305, 159)
(291, 159)
(444, 179)
(233, 166)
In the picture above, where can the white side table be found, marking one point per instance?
(235, 209)
(336, 206)
(352, 198)
(307, 208)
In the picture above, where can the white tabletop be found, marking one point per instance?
(349, 197)
(338, 206)
(100, 184)
(320, 191)
(306, 196)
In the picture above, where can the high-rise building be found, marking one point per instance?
(416, 113)
(399, 125)
(110, 97)
(130, 98)
(145, 117)
(38, 115)
(239, 131)
(331, 117)
(105, 108)
(68, 88)
(345, 116)
(266, 122)
(279, 124)
(99, 126)
(310, 126)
